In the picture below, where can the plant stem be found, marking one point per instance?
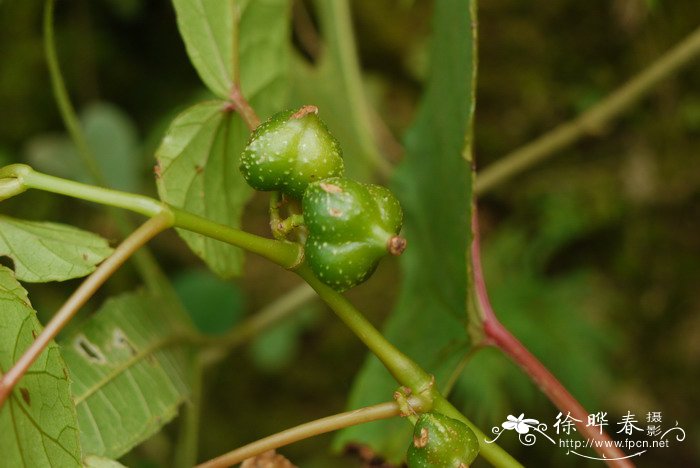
(146, 265)
(131, 244)
(138, 203)
(591, 121)
(285, 254)
(401, 367)
(243, 107)
(61, 94)
(304, 431)
(188, 438)
(497, 335)
(336, 24)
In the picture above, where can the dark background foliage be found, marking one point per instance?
(593, 258)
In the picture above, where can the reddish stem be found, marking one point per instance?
(243, 107)
(497, 335)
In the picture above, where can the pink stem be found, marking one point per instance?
(243, 107)
(497, 335)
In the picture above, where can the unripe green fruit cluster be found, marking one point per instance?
(440, 441)
(351, 225)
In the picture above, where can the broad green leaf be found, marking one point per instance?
(38, 426)
(215, 305)
(130, 372)
(199, 155)
(434, 185)
(111, 135)
(209, 30)
(44, 251)
(230, 38)
(198, 160)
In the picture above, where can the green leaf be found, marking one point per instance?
(38, 424)
(226, 38)
(130, 371)
(44, 252)
(198, 160)
(434, 185)
(209, 29)
(215, 305)
(92, 461)
(199, 155)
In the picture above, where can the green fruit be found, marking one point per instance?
(440, 441)
(290, 150)
(351, 227)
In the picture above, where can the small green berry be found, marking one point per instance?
(290, 150)
(351, 227)
(440, 441)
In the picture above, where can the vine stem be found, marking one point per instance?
(146, 265)
(131, 244)
(591, 121)
(286, 254)
(309, 429)
(496, 334)
(401, 367)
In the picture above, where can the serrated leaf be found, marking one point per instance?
(225, 38)
(199, 155)
(130, 372)
(44, 251)
(434, 185)
(209, 29)
(198, 162)
(38, 426)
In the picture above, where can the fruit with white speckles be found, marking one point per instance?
(290, 150)
(439, 440)
(351, 227)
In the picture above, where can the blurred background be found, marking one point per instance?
(592, 258)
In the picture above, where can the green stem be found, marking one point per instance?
(403, 368)
(138, 203)
(591, 121)
(61, 94)
(148, 268)
(285, 254)
(188, 439)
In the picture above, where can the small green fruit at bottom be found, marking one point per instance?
(440, 441)
(290, 150)
(351, 227)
